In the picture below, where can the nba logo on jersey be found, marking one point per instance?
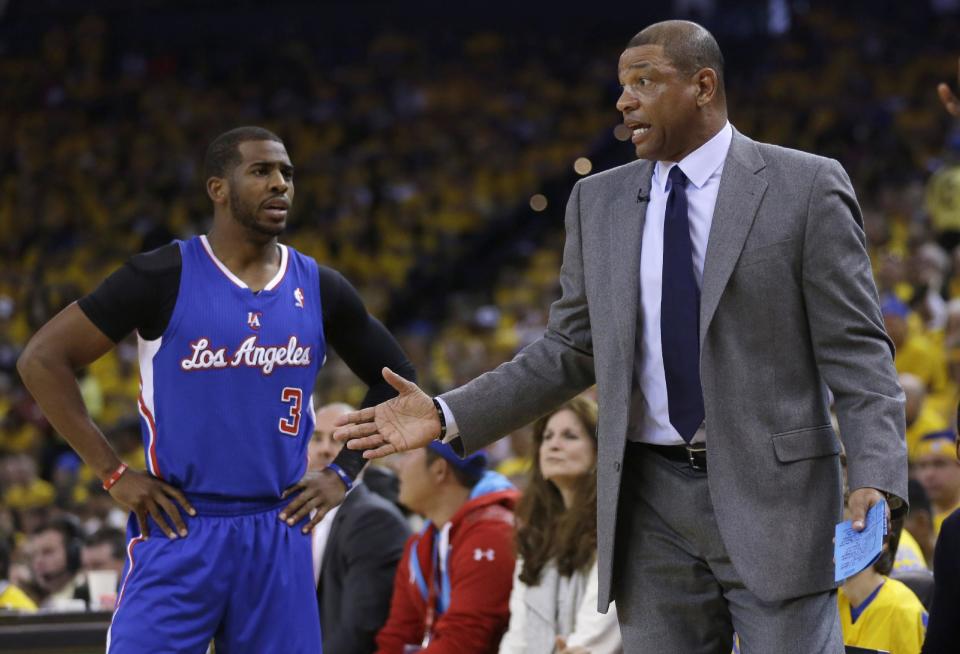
(253, 319)
(298, 297)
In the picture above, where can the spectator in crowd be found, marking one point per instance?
(105, 549)
(54, 552)
(11, 597)
(921, 417)
(517, 464)
(917, 538)
(878, 612)
(25, 489)
(102, 559)
(918, 526)
(916, 352)
(938, 470)
(553, 604)
(452, 587)
(356, 548)
(382, 480)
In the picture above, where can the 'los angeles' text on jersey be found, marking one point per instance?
(250, 353)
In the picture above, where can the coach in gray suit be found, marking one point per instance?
(713, 290)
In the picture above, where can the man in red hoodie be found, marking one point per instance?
(452, 588)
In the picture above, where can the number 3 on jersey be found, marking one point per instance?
(291, 425)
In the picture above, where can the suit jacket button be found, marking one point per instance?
(616, 466)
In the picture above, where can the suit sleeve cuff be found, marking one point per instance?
(452, 430)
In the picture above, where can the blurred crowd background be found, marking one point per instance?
(434, 151)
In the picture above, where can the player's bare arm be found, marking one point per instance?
(48, 366)
(403, 423)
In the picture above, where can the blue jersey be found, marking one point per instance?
(225, 399)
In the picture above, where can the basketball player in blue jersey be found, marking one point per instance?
(232, 328)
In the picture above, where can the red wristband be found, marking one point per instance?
(115, 477)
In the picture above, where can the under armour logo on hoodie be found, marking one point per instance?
(479, 554)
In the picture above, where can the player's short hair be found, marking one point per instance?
(223, 154)
(689, 46)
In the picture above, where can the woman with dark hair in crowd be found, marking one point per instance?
(553, 606)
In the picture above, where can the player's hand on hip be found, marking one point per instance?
(317, 490)
(146, 495)
(950, 101)
(406, 422)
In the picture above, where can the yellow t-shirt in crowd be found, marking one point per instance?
(920, 356)
(909, 554)
(944, 402)
(891, 620)
(12, 597)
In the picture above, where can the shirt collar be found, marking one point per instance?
(700, 164)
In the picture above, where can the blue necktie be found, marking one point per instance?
(680, 314)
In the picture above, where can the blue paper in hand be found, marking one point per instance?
(854, 551)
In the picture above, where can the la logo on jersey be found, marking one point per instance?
(253, 319)
(298, 297)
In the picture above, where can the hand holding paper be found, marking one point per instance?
(852, 550)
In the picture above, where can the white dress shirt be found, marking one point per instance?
(703, 167)
(318, 544)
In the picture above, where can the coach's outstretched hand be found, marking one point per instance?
(950, 101)
(406, 422)
(146, 495)
(317, 490)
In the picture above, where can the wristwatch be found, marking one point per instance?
(443, 421)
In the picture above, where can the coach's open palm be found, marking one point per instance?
(406, 422)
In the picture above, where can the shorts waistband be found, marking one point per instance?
(220, 505)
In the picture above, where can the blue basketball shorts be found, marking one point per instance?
(240, 577)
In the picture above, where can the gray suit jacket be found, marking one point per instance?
(788, 308)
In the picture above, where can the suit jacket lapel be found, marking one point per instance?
(625, 234)
(738, 199)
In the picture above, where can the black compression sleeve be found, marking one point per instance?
(365, 346)
(139, 295)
